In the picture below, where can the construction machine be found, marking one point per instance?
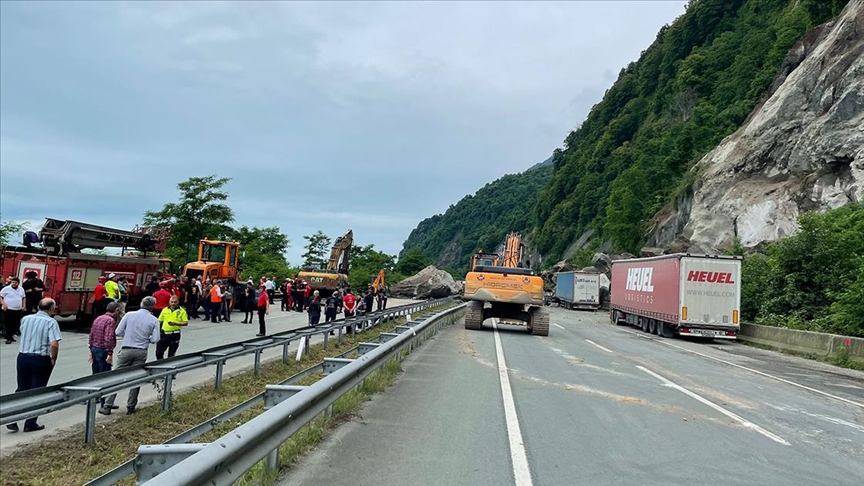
(327, 279)
(379, 281)
(510, 292)
(62, 256)
(216, 259)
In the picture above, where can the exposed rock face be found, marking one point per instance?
(430, 283)
(802, 150)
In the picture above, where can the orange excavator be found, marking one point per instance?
(510, 292)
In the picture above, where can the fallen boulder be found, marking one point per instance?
(429, 283)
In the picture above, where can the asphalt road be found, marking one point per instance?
(598, 404)
(199, 335)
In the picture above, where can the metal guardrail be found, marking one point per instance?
(287, 409)
(127, 468)
(89, 389)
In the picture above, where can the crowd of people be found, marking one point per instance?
(167, 307)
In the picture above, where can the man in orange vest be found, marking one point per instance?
(215, 300)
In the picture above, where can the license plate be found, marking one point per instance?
(708, 332)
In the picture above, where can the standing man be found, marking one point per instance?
(138, 329)
(271, 289)
(331, 307)
(263, 309)
(163, 298)
(100, 297)
(314, 309)
(228, 301)
(194, 294)
(173, 318)
(12, 301)
(369, 300)
(112, 288)
(349, 302)
(37, 354)
(152, 286)
(215, 301)
(33, 287)
(103, 340)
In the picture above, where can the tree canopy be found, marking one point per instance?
(317, 247)
(199, 213)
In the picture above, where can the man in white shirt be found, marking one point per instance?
(12, 302)
(138, 329)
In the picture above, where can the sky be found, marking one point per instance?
(330, 116)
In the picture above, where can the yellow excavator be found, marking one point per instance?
(327, 279)
(379, 281)
(510, 292)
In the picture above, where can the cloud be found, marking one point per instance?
(325, 115)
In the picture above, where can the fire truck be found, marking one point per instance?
(70, 275)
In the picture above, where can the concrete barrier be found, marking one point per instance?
(807, 342)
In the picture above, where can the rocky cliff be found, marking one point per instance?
(801, 150)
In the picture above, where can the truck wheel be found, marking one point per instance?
(540, 322)
(652, 326)
(474, 315)
(617, 319)
(643, 324)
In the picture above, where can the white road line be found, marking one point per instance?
(521, 472)
(713, 405)
(558, 326)
(601, 347)
(762, 373)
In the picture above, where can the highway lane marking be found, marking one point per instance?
(521, 471)
(558, 326)
(762, 373)
(601, 347)
(738, 418)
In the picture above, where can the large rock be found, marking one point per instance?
(801, 150)
(430, 283)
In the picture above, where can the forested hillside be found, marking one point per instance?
(480, 221)
(693, 86)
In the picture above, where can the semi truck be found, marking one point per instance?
(578, 290)
(678, 295)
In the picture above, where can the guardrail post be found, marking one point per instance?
(166, 393)
(272, 464)
(219, 365)
(285, 352)
(328, 412)
(90, 422)
(257, 361)
(326, 340)
(339, 336)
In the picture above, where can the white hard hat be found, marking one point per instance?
(112, 275)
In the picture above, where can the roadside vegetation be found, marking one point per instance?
(813, 280)
(68, 460)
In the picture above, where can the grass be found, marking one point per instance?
(842, 359)
(67, 460)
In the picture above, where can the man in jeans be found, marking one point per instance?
(138, 329)
(103, 340)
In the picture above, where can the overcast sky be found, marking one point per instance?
(370, 116)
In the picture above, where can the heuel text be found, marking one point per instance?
(710, 277)
(639, 279)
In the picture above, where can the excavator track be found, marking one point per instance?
(474, 315)
(540, 322)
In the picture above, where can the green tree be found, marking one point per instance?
(199, 213)
(8, 229)
(412, 262)
(263, 252)
(317, 246)
(366, 262)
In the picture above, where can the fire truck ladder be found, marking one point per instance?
(61, 236)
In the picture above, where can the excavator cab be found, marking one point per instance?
(327, 279)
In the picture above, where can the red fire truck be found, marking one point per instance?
(70, 275)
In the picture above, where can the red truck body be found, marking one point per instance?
(71, 278)
(680, 294)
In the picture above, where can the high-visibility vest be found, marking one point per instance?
(214, 294)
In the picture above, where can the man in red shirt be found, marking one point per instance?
(263, 309)
(100, 297)
(349, 303)
(163, 298)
